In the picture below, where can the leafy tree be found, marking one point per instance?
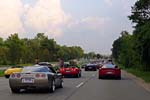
(15, 48)
(141, 16)
(140, 12)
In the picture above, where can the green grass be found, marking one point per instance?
(139, 73)
(1, 73)
(145, 75)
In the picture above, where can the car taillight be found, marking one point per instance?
(18, 75)
(40, 75)
(43, 75)
(37, 75)
(13, 75)
(74, 69)
(62, 69)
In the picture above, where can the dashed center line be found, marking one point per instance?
(79, 85)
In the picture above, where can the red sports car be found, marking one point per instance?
(70, 70)
(109, 71)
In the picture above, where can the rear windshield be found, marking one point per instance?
(91, 65)
(69, 66)
(35, 69)
(108, 66)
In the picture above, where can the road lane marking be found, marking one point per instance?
(79, 85)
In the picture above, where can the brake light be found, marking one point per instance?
(13, 75)
(62, 69)
(40, 75)
(74, 69)
(18, 75)
(43, 75)
(37, 75)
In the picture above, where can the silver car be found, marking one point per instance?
(36, 77)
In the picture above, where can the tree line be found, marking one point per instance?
(15, 50)
(133, 50)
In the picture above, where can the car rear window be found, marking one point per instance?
(108, 66)
(91, 65)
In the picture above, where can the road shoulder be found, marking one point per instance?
(138, 80)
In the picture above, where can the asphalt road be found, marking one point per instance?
(88, 87)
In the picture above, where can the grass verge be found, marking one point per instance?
(145, 75)
(142, 74)
(1, 73)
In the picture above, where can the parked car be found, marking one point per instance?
(36, 77)
(109, 71)
(91, 67)
(70, 70)
(11, 70)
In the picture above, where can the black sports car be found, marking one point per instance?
(91, 67)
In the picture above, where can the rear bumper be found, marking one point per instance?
(109, 75)
(73, 74)
(69, 73)
(38, 84)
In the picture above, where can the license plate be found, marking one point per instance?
(27, 80)
(67, 71)
(109, 72)
(90, 67)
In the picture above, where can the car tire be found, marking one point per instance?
(7, 76)
(99, 77)
(61, 84)
(77, 76)
(80, 74)
(15, 90)
(52, 87)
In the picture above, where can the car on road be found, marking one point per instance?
(70, 70)
(36, 77)
(11, 70)
(109, 71)
(91, 67)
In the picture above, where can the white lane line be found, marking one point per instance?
(79, 85)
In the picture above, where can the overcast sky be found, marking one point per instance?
(91, 24)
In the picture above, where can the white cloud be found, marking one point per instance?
(109, 2)
(10, 17)
(90, 23)
(46, 16)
